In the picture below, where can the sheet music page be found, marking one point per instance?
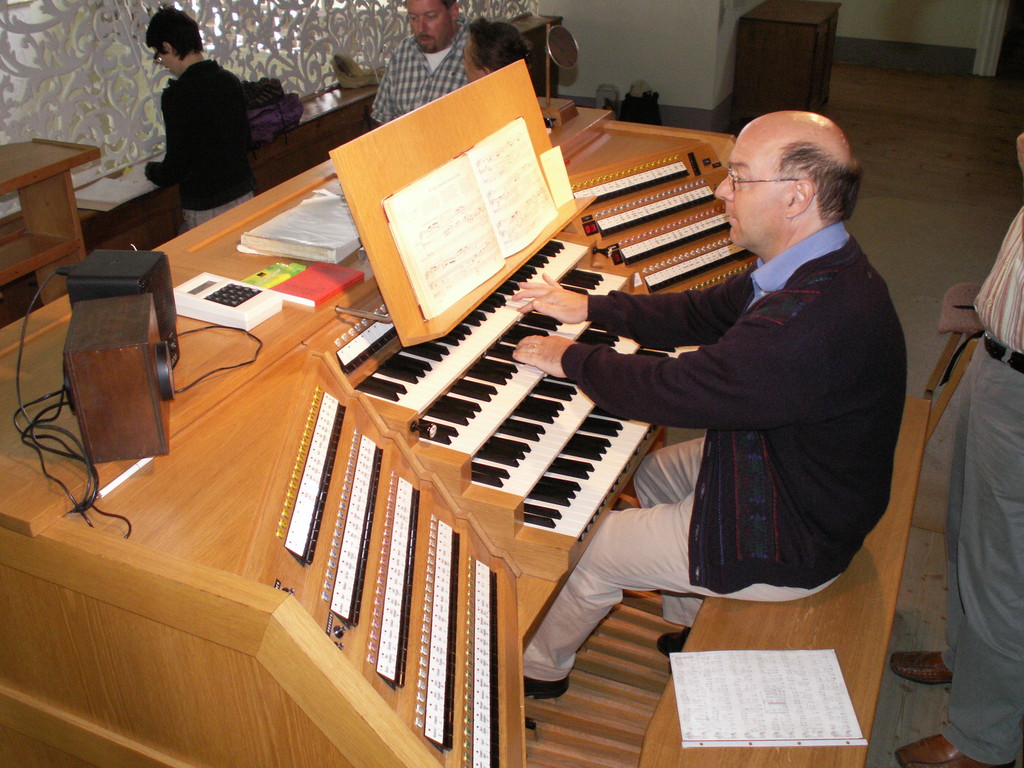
(516, 195)
(763, 698)
(444, 235)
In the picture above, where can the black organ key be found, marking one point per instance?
(487, 474)
(501, 351)
(544, 522)
(474, 389)
(518, 332)
(554, 491)
(454, 336)
(598, 426)
(389, 390)
(442, 433)
(501, 450)
(556, 389)
(475, 317)
(492, 302)
(571, 467)
(526, 430)
(428, 350)
(597, 336)
(453, 409)
(586, 446)
(537, 320)
(539, 510)
(580, 279)
(538, 409)
(494, 371)
(404, 368)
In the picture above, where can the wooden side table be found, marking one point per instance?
(783, 58)
(48, 233)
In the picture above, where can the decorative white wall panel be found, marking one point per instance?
(78, 70)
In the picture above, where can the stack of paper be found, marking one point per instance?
(319, 228)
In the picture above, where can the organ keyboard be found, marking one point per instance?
(512, 433)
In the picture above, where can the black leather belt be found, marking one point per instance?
(1013, 359)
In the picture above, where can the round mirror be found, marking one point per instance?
(562, 47)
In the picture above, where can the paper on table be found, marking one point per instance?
(557, 176)
(763, 699)
(105, 194)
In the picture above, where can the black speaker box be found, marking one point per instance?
(127, 273)
(119, 375)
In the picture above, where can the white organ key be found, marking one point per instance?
(659, 204)
(658, 277)
(642, 179)
(310, 494)
(394, 626)
(437, 715)
(358, 521)
(484, 657)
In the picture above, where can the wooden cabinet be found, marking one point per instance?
(783, 58)
(534, 30)
(47, 234)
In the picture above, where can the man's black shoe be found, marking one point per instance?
(545, 689)
(673, 642)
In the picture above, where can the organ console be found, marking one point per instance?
(340, 558)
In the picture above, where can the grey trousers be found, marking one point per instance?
(194, 218)
(643, 549)
(985, 551)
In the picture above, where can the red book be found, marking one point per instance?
(317, 283)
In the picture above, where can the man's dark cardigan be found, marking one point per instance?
(801, 395)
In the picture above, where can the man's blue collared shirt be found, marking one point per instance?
(771, 276)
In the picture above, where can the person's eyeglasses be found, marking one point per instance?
(736, 180)
(157, 55)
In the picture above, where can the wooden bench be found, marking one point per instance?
(854, 616)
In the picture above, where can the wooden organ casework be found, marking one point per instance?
(340, 558)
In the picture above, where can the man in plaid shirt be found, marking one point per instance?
(427, 64)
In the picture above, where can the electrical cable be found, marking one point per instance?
(255, 355)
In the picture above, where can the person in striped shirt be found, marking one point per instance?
(984, 660)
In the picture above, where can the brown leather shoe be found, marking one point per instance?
(921, 666)
(937, 752)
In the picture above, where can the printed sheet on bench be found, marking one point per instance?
(763, 699)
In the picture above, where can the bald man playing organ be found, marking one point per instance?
(798, 378)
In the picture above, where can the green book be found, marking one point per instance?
(277, 273)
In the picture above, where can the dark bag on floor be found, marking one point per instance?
(641, 109)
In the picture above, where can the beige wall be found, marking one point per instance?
(685, 49)
(929, 22)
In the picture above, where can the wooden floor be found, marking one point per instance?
(941, 184)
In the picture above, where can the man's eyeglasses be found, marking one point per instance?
(736, 180)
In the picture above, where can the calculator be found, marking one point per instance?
(221, 301)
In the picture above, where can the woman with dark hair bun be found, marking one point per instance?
(491, 46)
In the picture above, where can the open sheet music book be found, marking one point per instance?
(455, 226)
(763, 699)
